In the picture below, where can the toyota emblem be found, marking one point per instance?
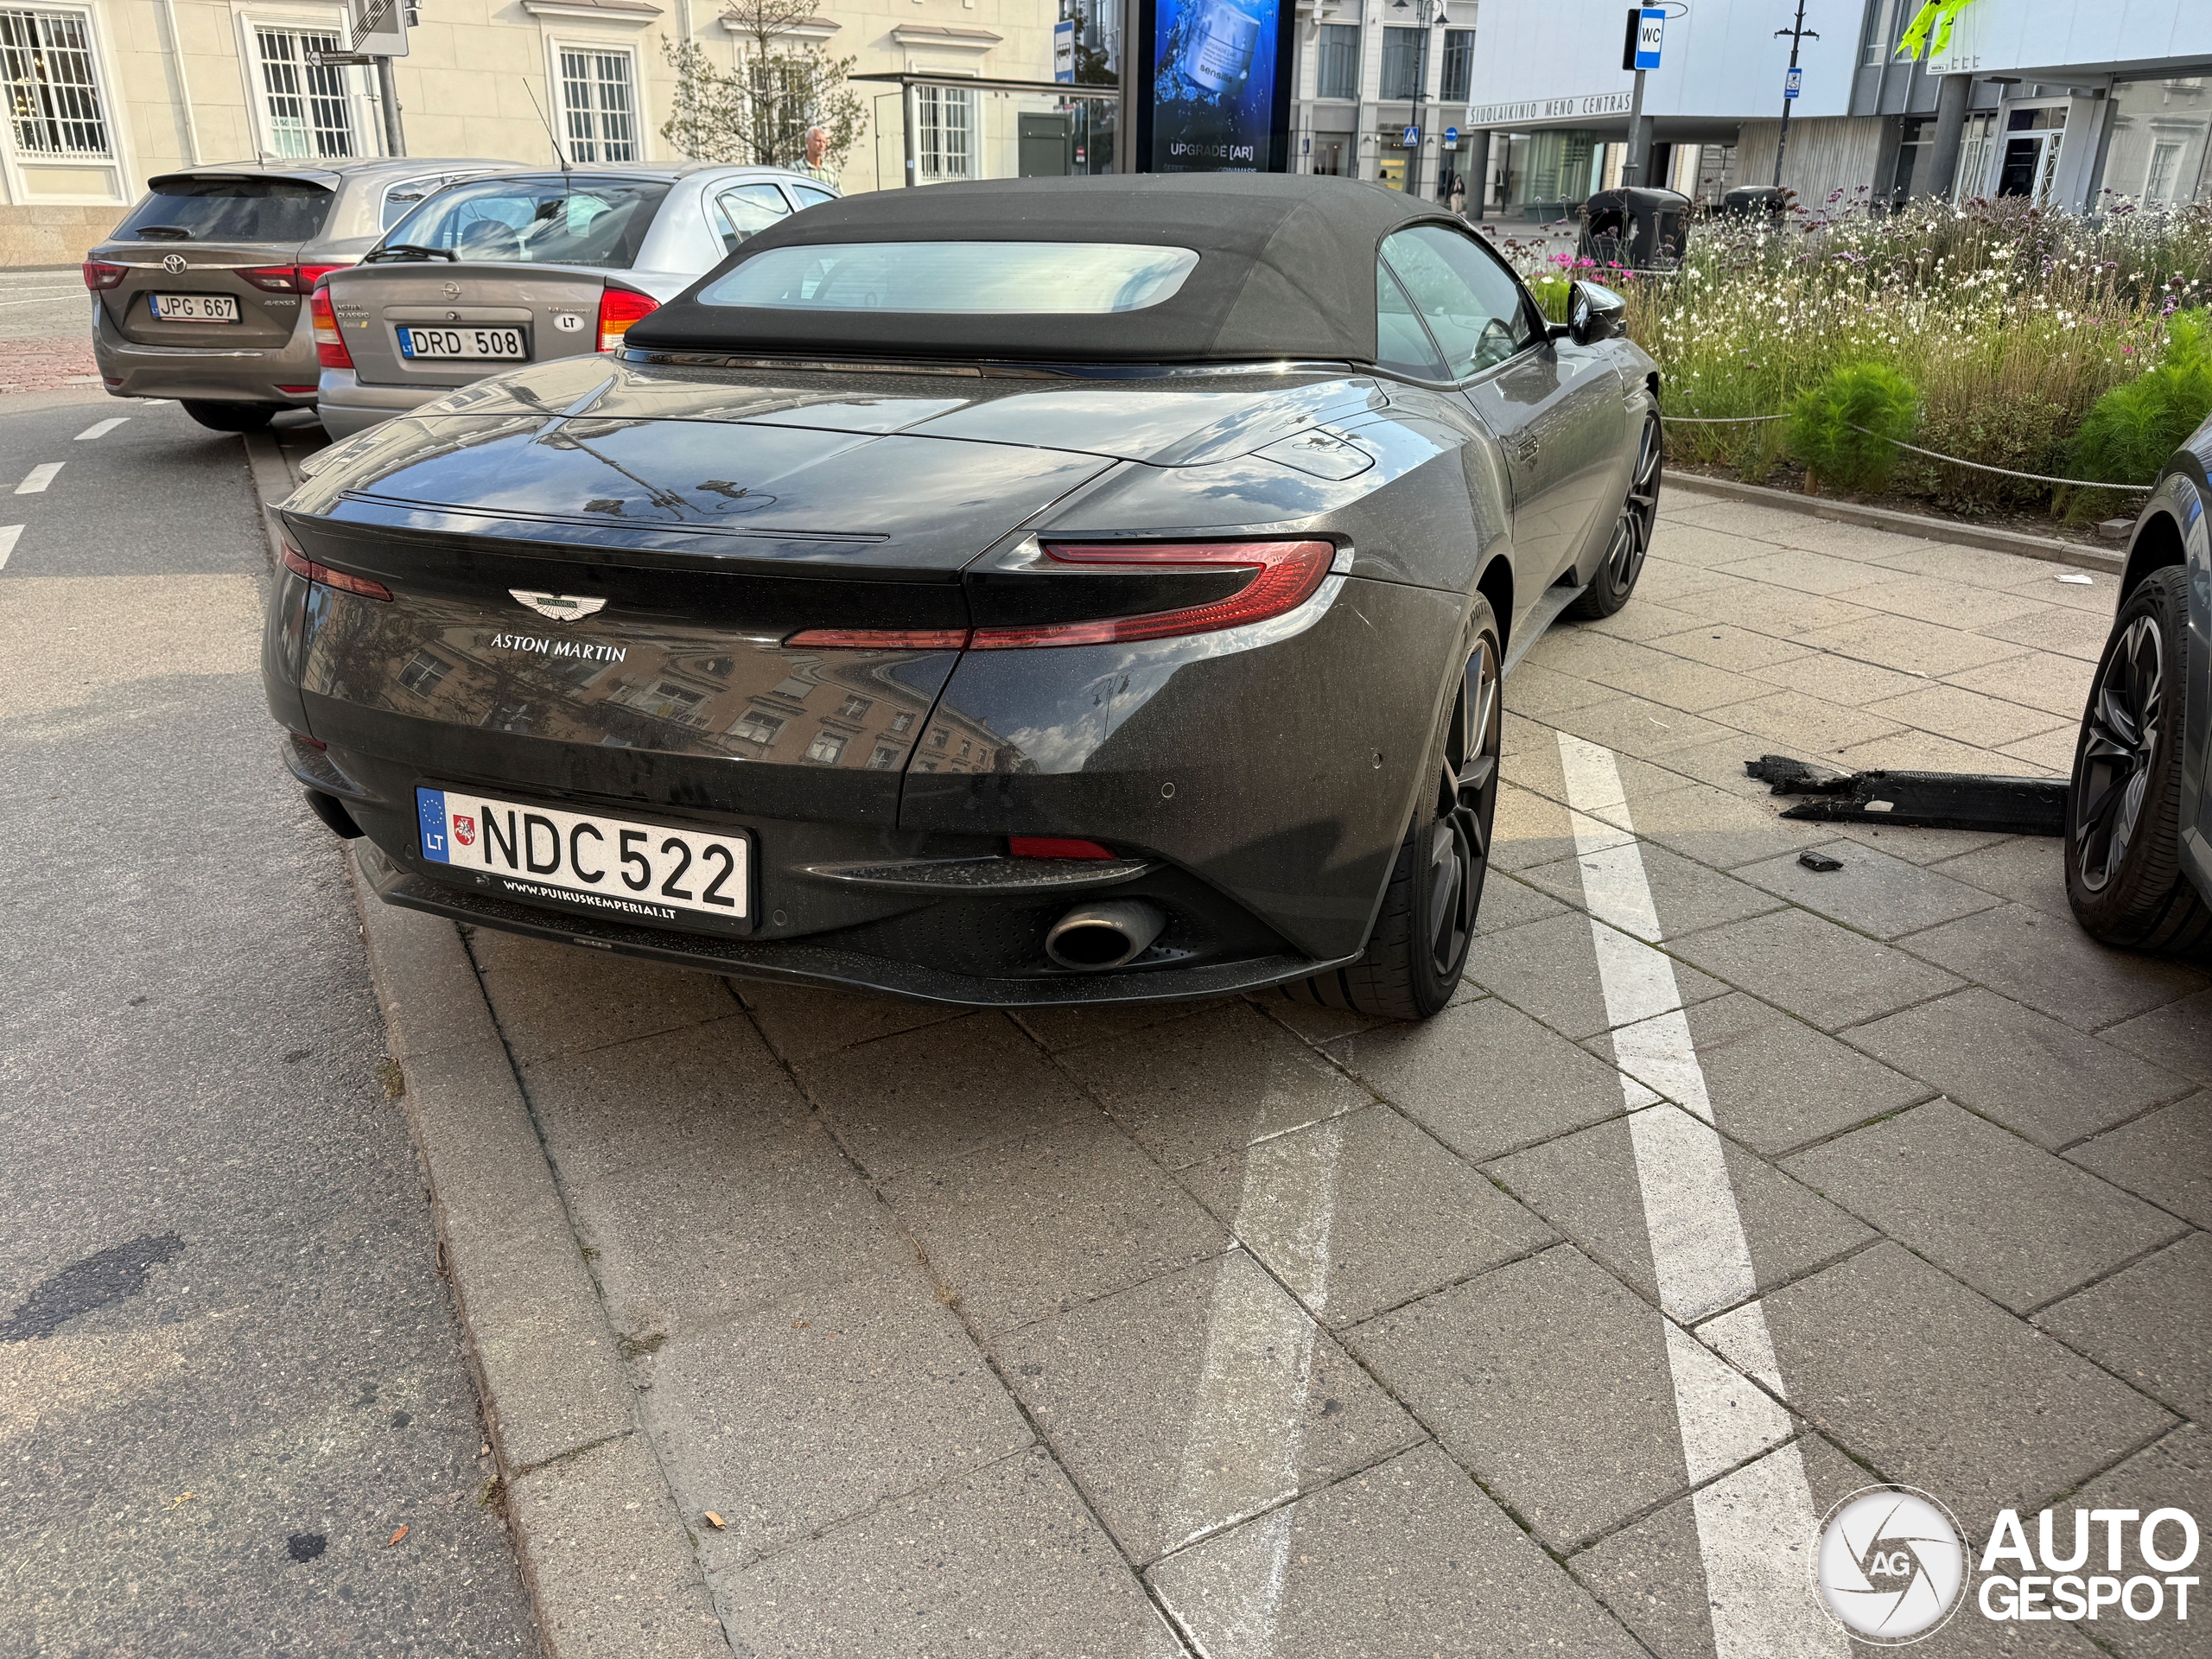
(173, 263)
(452, 291)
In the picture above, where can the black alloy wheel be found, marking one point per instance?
(1615, 578)
(2124, 876)
(1418, 950)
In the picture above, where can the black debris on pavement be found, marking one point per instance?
(1821, 861)
(1920, 800)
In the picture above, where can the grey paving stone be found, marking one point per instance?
(2021, 1226)
(1971, 717)
(1006, 1561)
(1723, 827)
(682, 1243)
(1774, 1082)
(1808, 722)
(1913, 1374)
(801, 1021)
(1872, 893)
(934, 1092)
(1509, 902)
(1549, 968)
(1541, 768)
(2178, 1037)
(1062, 1028)
(700, 1094)
(1410, 1558)
(1725, 646)
(1186, 1403)
(1202, 1086)
(1823, 974)
(1536, 690)
(1312, 1022)
(1586, 1185)
(1639, 726)
(1530, 829)
(1837, 678)
(1553, 1383)
(1646, 619)
(1676, 682)
(1026, 1228)
(1652, 1575)
(1917, 846)
(789, 1419)
(2052, 966)
(1364, 1212)
(2027, 869)
(551, 998)
(2056, 628)
(1778, 611)
(2150, 1323)
(610, 1565)
(1802, 571)
(1485, 1078)
(1949, 604)
(2174, 1473)
(2037, 682)
(1915, 751)
(2164, 1156)
(1914, 647)
(1686, 896)
(2029, 1072)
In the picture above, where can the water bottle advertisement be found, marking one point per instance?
(1218, 98)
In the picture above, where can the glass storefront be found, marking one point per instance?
(2160, 149)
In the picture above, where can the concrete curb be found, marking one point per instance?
(610, 1565)
(2047, 548)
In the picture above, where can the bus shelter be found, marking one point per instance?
(954, 127)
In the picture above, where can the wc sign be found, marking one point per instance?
(1650, 30)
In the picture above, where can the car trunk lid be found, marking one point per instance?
(190, 239)
(401, 321)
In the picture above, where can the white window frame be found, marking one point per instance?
(120, 163)
(361, 104)
(556, 86)
(974, 105)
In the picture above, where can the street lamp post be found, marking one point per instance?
(1430, 14)
(1797, 33)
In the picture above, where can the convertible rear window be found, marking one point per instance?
(229, 210)
(598, 222)
(990, 278)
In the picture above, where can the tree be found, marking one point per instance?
(758, 113)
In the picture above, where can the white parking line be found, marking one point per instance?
(101, 429)
(38, 478)
(9, 533)
(1755, 1528)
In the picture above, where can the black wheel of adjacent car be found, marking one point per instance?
(231, 417)
(1418, 950)
(1623, 563)
(2124, 874)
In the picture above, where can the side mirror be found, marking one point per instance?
(1594, 313)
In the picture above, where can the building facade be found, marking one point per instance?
(2067, 102)
(106, 93)
(1382, 86)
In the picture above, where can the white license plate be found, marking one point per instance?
(194, 307)
(627, 870)
(496, 343)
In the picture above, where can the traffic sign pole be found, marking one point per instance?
(1791, 84)
(1647, 27)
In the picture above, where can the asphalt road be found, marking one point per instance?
(229, 1371)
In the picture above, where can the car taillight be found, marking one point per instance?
(1054, 847)
(300, 565)
(1284, 576)
(99, 275)
(329, 345)
(618, 308)
(881, 639)
(287, 279)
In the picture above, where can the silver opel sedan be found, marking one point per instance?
(525, 268)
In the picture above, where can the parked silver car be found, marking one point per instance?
(201, 292)
(522, 268)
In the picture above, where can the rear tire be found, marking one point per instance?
(231, 417)
(1615, 579)
(1418, 950)
(2124, 874)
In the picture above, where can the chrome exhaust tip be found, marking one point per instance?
(1091, 937)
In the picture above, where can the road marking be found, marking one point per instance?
(100, 430)
(38, 478)
(7, 536)
(50, 296)
(1755, 1526)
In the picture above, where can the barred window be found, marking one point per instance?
(54, 96)
(597, 107)
(946, 142)
(309, 113)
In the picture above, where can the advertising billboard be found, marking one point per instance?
(1214, 96)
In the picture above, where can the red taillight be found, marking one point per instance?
(308, 276)
(1054, 847)
(881, 639)
(329, 345)
(99, 275)
(618, 308)
(287, 279)
(300, 565)
(1285, 574)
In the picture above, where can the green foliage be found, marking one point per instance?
(2134, 427)
(757, 114)
(2026, 433)
(1550, 290)
(1840, 425)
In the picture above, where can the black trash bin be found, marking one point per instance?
(1637, 226)
(1755, 201)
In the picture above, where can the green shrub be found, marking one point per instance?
(2026, 433)
(1825, 420)
(2137, 424)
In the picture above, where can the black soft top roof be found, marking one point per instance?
(1286, 270)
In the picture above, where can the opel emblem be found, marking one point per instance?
(561, 607)
(173, 263)
(452, 291)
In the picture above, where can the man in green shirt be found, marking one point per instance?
(816, 165)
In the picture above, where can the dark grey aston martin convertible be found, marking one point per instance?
(1032, 592)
